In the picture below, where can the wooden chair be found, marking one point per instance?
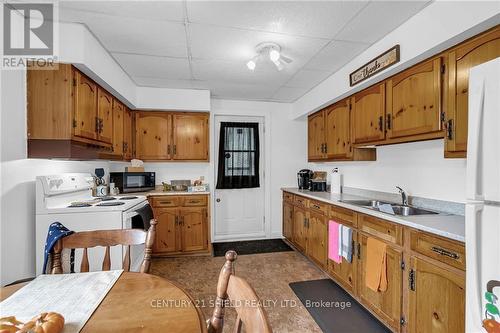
(106, 238)
(242, 296)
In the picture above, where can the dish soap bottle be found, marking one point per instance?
(336, 182)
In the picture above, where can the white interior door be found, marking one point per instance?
(239, 213)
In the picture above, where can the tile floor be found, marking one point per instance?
(268, 273)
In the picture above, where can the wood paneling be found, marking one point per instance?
(190, 136)
(153, 133)
(414, 100)
(85, 109)
(387, 304)
(460, 59)
(118, 128)
(368, 114)
(316, 136)
(437, 299)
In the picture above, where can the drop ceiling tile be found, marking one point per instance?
(124, 34)
(212, 42)
(289, 94)
(169, 83)
(159, 67)
(307, 78)
(378, 19)
(230, 90)
(149, 10)
(335, 55)
(265, 73)
(304, 18)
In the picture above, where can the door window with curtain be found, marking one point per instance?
(238, 155)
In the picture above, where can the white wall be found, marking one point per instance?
(17, 219)
(417, 167)
(437, 27)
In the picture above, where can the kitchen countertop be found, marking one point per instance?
(446, 225)
(159, 191)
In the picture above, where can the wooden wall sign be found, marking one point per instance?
(383, 61)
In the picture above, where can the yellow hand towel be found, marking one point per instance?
(376, 265)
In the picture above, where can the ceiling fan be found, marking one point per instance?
(270, 51)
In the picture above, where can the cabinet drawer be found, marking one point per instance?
(301, 201)
(319, 207)
(444, 250)
(164, 201)
(288, 196)
(345, 216)
(385, 230)
(194, 200)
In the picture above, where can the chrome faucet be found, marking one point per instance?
(404, 197)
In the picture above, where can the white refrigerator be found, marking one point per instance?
(482, 219)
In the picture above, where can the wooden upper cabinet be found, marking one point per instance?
(316, 136)
(386, 304)
(118, 128)
(338, 130)
(190, 136)
(104, 116)
(477, 51)
(85, 110)
(127, 134)
(368, 113)
(193, 221)
(439, 311)
(414, 100)
(152, 135)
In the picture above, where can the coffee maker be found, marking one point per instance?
(304, 179)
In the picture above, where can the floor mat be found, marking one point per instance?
(251, 247)
(333, 309)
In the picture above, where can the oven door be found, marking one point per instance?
(138, 181)
(133, 220)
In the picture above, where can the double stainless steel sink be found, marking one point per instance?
(390, 208)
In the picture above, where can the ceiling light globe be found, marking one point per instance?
(274, 55)
(251, 65)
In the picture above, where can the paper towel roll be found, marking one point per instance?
(335, 182)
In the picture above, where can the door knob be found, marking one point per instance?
(218, 199)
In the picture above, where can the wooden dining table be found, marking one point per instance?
(140, 302)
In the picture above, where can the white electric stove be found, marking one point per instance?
(67, 198)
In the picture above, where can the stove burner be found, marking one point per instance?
(107, 198)
(113, 203)
(79, 204)
(128, 198)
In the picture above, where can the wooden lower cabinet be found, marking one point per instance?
(387, 304)
(437, 298)
(433, 302)
(299, 228)
(167, 231)
(183, 226)
(287, 220)
(345, 273)
(317, 238)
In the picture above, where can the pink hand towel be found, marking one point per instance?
(333, 242)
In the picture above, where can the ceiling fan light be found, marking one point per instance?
(279, 65)
(274, 55)
(251, 65)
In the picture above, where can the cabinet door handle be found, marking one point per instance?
(326, 148)
(97, 124)
(175, 149)
(168, 149)
(388, 121)
(359, 251)
(445, 252)
(316, 206)
(449, 129)
(381, 123)
(411, 280)
(176, 220)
